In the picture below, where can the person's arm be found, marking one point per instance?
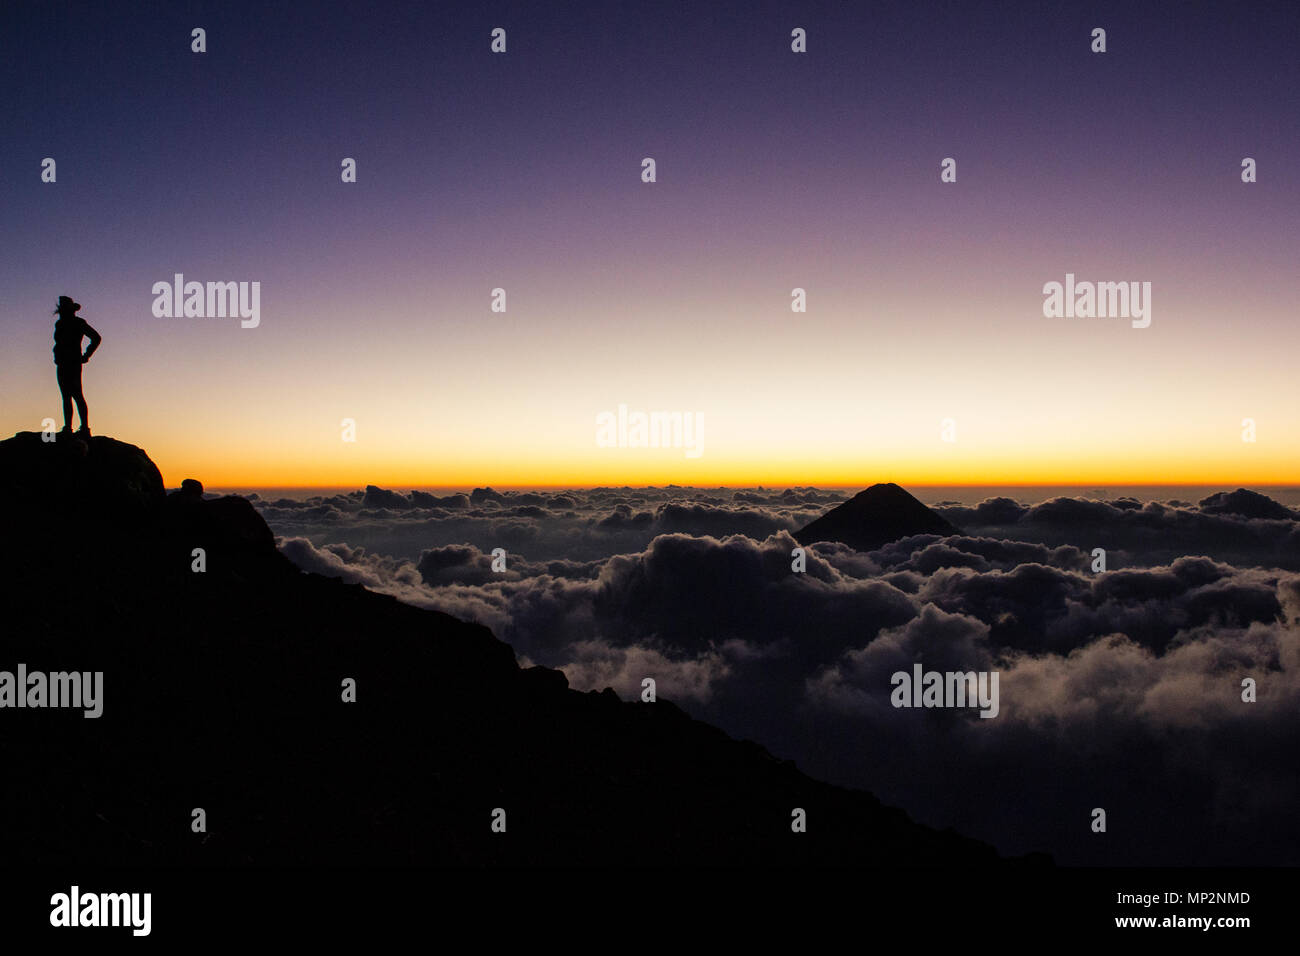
(95, 339)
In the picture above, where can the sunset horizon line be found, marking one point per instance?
(765, 485)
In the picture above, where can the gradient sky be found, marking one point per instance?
(775, 170)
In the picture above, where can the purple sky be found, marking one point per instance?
(775, 170)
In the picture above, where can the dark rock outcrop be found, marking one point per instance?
(190, 487)
(873, 518)
(85, 478)
(222, 690)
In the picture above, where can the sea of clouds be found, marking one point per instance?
(1120, 690)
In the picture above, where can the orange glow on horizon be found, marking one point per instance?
(393, 472)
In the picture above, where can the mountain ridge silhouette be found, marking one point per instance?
(222, 691)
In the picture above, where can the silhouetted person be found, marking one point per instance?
(69, 329)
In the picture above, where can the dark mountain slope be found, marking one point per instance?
(222, 691)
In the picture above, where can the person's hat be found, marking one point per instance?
(67, 306)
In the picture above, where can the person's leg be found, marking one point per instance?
(70, 385)
(66, 392)
(81, 409)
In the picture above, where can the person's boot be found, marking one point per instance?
(84, 433)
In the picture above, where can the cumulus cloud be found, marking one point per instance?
(575, 525)
(1241, 527)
